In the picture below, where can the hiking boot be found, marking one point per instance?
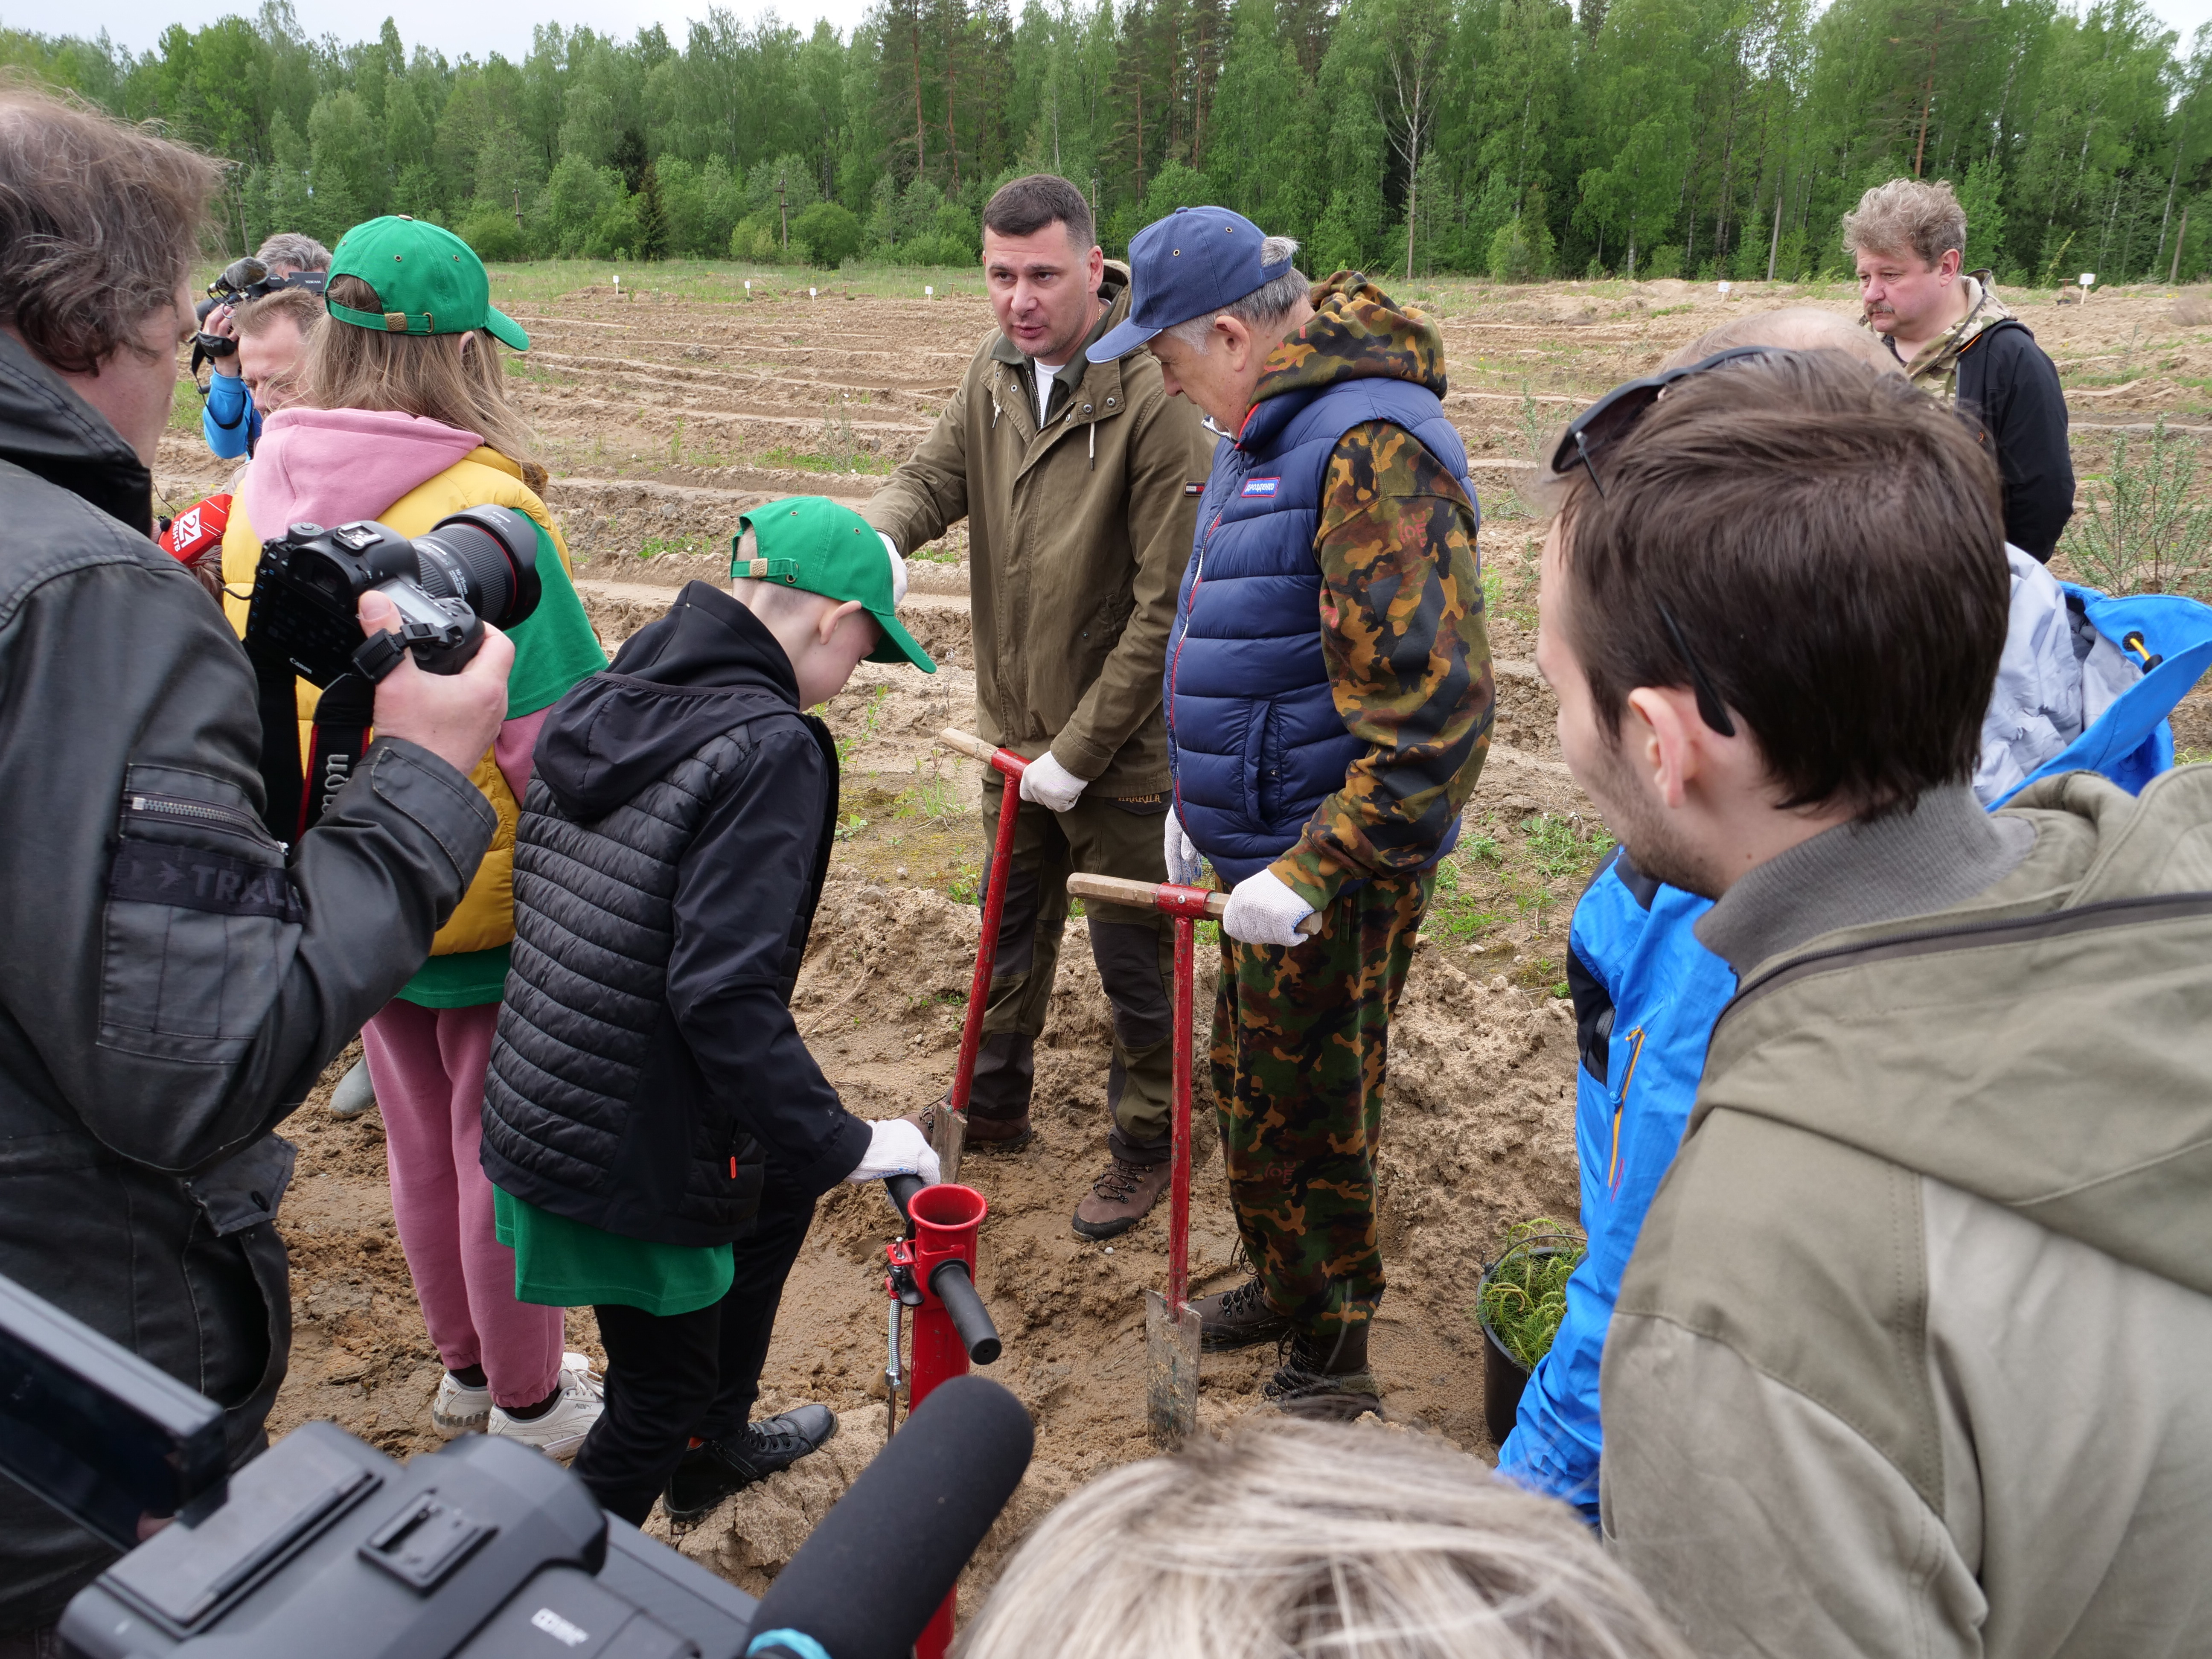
(1120, 1198)
(1237, 1318)
(710, 1472)
(1325, 1376)
(983, 1134)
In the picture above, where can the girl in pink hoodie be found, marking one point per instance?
(413, 421)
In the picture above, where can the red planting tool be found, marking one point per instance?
(932, 1271)
(951, 1126)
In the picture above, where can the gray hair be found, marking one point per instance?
(1907, 215)
(290, 248)
(1269, 303)
(1294, 1539)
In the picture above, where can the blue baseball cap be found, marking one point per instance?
(1191, 264)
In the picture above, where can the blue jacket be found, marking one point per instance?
(1647, 995)
(230, 422)
(1254, 736)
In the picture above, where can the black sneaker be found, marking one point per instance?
(1238, 1318)
(710, 1472)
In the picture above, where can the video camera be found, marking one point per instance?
(479, 565)
(241, 280)
(485, 1549)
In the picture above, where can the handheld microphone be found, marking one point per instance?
(864, 1585)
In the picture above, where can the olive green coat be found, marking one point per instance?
(1077, 535)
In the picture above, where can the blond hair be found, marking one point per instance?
(1907, 214)
(256, 317)
(1296, 1539)
(432, 376)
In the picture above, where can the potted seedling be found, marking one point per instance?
(1521, 1298)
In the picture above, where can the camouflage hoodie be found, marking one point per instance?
(1401, 604)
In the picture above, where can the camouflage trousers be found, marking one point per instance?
(1301, 1046)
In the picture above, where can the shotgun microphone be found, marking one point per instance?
(865, 1585)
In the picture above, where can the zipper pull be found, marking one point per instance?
(1094, 446)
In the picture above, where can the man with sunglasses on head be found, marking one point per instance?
(1909, 1356)
(1329, 701)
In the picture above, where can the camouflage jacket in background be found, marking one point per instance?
(1401, 604)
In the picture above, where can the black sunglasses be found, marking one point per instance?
(1603, 424)
(1613, 416)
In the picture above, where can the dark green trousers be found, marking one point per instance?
(1301, 1049)
(1134, 950)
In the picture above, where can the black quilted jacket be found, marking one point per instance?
(647, 1075)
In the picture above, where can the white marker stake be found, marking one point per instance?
(1725, 290)
(810, 293)
(749, 289)
(617, 286)
(928, 292)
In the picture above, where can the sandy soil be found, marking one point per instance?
(665, 419)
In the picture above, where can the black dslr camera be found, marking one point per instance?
(479, 566)
(241, 280)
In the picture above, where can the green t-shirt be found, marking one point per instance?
(553, 648)
(559, 1263)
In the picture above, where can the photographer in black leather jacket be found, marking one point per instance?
(171, 982)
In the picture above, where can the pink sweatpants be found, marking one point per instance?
(428, 1068)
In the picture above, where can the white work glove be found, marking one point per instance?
(1049, 784)
(895, 1146)
(1263, 911)
(1181, 852)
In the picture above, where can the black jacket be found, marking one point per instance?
(2009, 385)
(648, 1073)
(170, 984)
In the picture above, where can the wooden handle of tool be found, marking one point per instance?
(968, 744)
(1145, 896)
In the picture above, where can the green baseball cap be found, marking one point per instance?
(814, 543)
(429, 280)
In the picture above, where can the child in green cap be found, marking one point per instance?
(655, 1128)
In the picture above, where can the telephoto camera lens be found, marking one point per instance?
(487, 558)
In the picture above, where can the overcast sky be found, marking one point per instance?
(482, 27)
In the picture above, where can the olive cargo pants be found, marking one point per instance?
(1134, 950)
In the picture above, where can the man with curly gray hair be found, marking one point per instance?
(1957, 340)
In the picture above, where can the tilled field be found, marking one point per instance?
(663, 419)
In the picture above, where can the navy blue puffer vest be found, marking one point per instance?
(1253, 732)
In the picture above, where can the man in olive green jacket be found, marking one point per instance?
(1911, 1355)
(1080, 482)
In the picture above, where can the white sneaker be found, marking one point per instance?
(459, 1409)
(561, 1430)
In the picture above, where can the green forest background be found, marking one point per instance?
(1519, 138)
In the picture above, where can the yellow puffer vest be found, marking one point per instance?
(483, 477)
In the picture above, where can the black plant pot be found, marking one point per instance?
(1503, 1379)
(1502, 1376)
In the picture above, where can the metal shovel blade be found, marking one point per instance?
(948, 1134)
(1170, 1370)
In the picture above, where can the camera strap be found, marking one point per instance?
(280, 747)
(342, 719)
(340, 733)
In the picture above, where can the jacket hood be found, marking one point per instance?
(2041, 1046)
(707, 665)
(331, 466)
(47, 429)
(1357, 332)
